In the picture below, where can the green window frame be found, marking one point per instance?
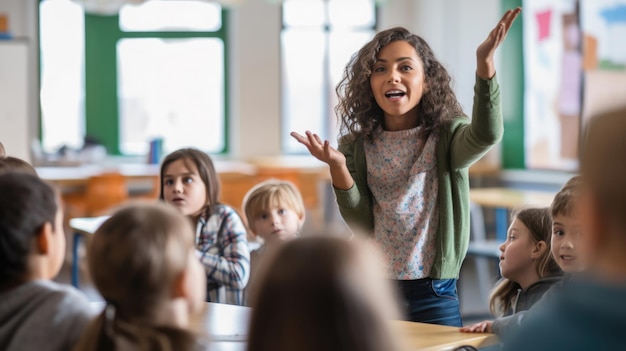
(102, 34)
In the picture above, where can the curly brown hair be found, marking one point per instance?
(359, 113)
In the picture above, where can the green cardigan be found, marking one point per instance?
(461, 143)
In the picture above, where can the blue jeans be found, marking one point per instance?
(432, 301)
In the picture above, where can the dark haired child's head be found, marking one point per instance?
(525, 256)
(32, 239)
(526, 252)
(274, 210)
(566, 226)
(189, 181)
(394, 74)
(322, 293)
(142, 258)
(603, 213)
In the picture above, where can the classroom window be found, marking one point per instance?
(62, 94)
(155, 70)
(317, 40)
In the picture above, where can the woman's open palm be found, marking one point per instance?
(487, 48)
(320, 149)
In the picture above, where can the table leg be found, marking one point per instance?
(75, 259)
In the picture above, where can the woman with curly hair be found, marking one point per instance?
(400, 172)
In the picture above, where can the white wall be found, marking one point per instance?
(22, 25)
(453, 28)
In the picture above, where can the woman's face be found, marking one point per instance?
(397, 82)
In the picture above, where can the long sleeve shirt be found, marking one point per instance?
(222, 248)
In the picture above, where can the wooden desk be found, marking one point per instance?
(80, 227)
(431, 337)
(227, 328)
(227, 325)
(75, 178)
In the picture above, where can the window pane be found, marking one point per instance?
(304, 98)
(62, 74)
(172, 89)
(303, 13)
(352, 13)
(161, 15)
(343, 44)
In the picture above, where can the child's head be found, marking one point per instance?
(323, 293)
(526, 252)
(32, 240)
(14, 164)
(142, 257)
(422, 85)
(274, 210)
(603, 215)
(525, 257)
(189, 181)
(566, 226)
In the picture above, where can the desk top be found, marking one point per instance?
(431, 337)
(227, 327)
(87, 225)
(510, 198)
(228, 323)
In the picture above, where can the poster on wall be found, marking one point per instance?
(603, 24)
(552, 83)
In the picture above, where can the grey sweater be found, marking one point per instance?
(42, 315)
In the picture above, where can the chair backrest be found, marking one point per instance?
(104, 192)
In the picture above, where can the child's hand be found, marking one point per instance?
(482, 327)
(320, 149)
(485, 67)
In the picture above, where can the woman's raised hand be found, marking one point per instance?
(485, 67)
(320, 149)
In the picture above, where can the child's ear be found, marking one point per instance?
(301, 219)
(43, 239)
(540, 248)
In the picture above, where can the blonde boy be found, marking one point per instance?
(275, 213)
(589, 314)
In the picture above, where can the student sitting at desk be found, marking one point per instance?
(589, 313)
(142, 261)
(564, 244)
(35, 312)
(190, 183)
(275, 212)
(323, 293)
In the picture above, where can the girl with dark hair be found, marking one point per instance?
(190, 183)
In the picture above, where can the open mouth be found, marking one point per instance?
(395, 94)
(567, 258)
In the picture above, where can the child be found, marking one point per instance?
(527, 266)
(143, 264)
(401, 172)
(275, 212)
(589, 312)
(35, 312)
(190, 183)
(322, 293)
